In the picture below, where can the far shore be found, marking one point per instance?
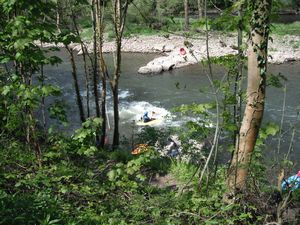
(282, 49)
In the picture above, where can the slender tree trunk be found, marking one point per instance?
(257, 65)
(103, 69)
(43, 97)
(76, 85)
(115, 92)
(116, 137)
(159, 9)
(238, 80)
(200, 8)
(214, 144)
(186, 15)
(84, 55)
(95, 63)
(34, 140)
(119, 23)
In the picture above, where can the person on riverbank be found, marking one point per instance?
(292, 183)
(182, 52)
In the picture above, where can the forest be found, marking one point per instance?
(149, 112)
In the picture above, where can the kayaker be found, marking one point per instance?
(146, 118)
(292, 183)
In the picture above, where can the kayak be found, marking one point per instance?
(140, 148)
(150, 123)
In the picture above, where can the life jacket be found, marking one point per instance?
(182, 51)
(292, 183)
(146, 117)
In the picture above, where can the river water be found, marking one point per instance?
(162, 92)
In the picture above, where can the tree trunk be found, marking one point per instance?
(76, 85)
(95, 63)
(238, 80)
(103, 69)
(186, 15)
(115, 92)
(116, 137)
(119, 23)
(85, 53)
(257, 65)
(200, 8)
(34, 139)
(159, 10)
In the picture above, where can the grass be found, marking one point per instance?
(177, 26)
(87, 34)
(168, 26)
(286, 29)
(294, 44)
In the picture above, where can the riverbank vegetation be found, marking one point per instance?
(48, 177)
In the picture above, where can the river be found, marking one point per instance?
(162, 92)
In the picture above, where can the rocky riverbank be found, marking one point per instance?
(282, 49)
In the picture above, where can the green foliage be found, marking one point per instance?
(259, 164)
(286, 29)
(85, 137)
(77, 183)
(276, 80)
(270, 129)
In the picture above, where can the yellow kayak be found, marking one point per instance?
(150, 123)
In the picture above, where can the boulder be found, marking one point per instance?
(168, 65)
(150, 69)
(144, 70)
(173, 60)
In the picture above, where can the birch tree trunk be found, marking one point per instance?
(257, 65)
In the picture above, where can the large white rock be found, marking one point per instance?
(144, 70)
(173, 60)
(150, 69)
(168, 65)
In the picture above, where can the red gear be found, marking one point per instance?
(182, 51)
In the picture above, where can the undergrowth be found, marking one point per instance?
(78, 186)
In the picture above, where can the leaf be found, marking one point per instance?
(18, 56)
(212, 222)
(4, 59)
(111, 175)
(54, 221)
(272, 129)
(63, 189)
(6, 90)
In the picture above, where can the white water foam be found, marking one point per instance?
(133, 111)
(124, 94)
